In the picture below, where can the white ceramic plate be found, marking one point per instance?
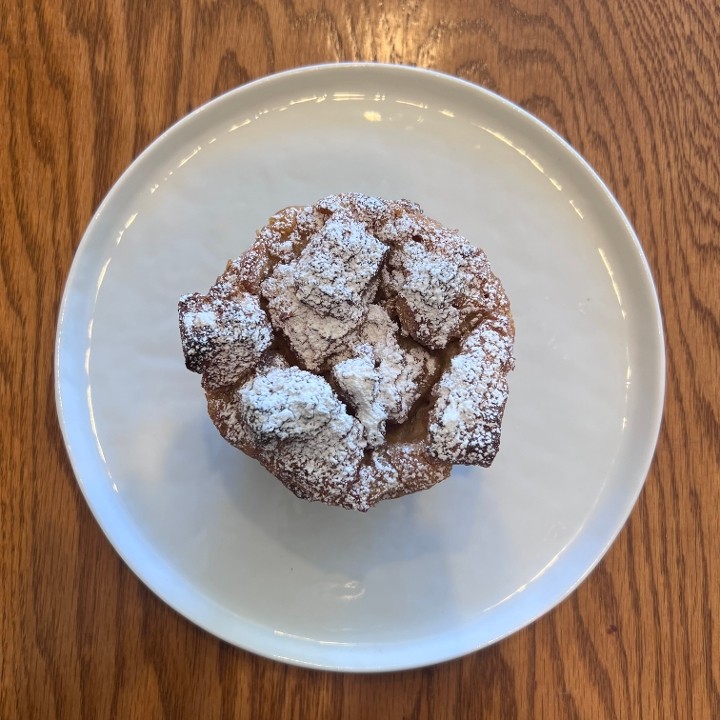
(416, 580)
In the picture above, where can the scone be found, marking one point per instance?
(358, 350)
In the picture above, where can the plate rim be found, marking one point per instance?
(653, 424)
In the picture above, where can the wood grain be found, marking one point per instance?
(84, 87)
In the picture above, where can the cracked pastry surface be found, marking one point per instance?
(358, 350)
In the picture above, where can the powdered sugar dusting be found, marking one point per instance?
(381, 380)
(397, 470)
(368, 295)
(435, 279)
(223, 339)
(358, 379)
(303, 431)
(319, 298)
(288, 403)
(470, 398)
(426, 285)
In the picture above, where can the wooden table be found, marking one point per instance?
(85, 86)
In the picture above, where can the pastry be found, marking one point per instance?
(358, 350)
